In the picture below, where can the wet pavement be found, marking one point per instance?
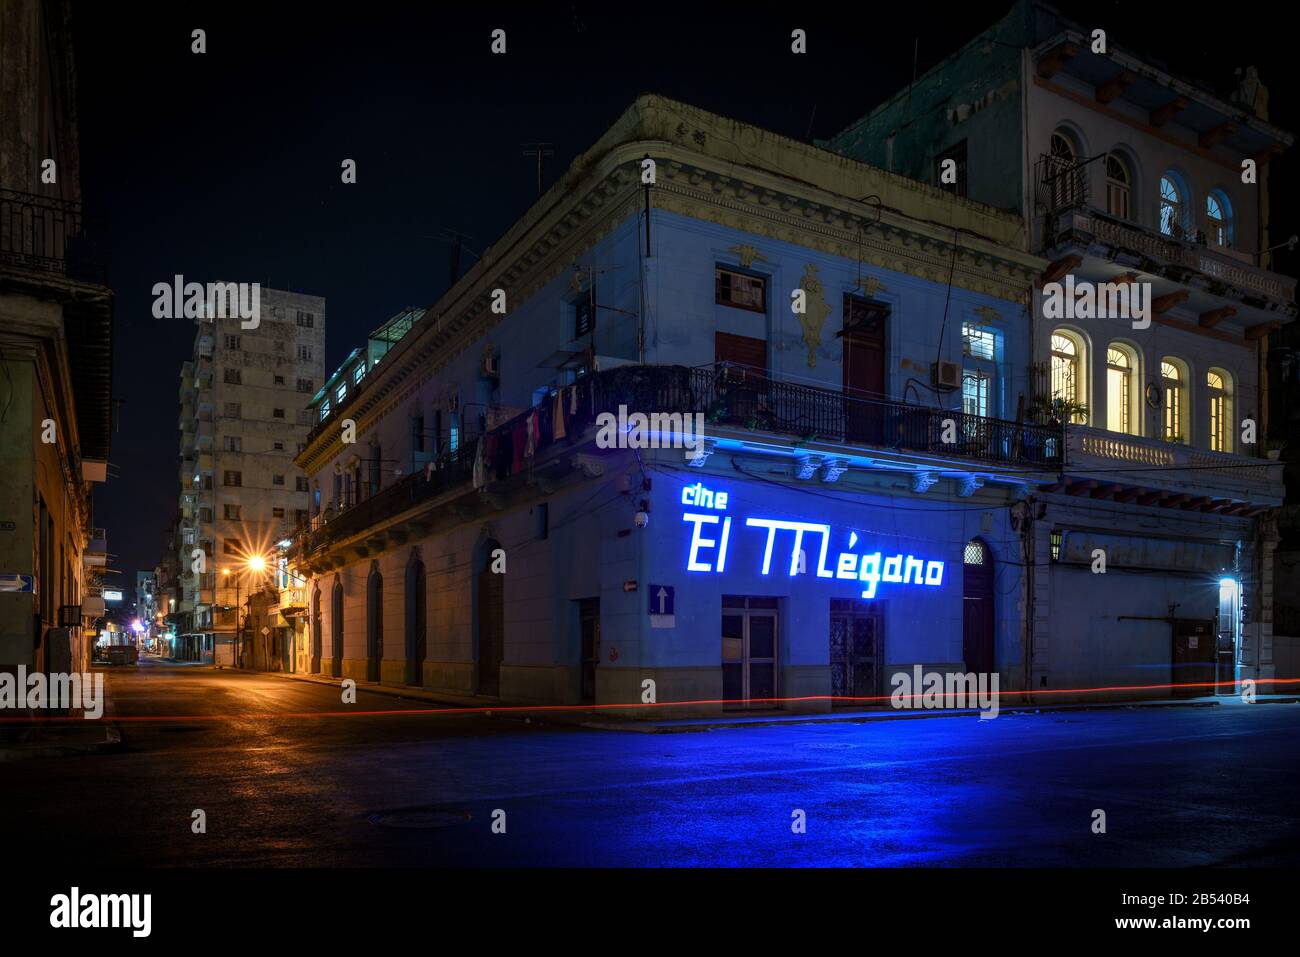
(288, 775)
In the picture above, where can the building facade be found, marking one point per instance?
(477, 537)
(243, 418)
(56, 351)
(1132, 182)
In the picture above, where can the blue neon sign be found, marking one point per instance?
(711, 536)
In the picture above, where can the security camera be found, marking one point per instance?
(642, 519)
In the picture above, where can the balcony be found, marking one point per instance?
(726, 397)
(48, 235)
(1143, 471)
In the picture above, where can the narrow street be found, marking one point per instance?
(1180, 786)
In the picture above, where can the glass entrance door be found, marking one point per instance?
(749, 651)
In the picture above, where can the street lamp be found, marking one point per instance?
(254, 563)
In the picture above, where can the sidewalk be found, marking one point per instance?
(28, 734)
(613, 720)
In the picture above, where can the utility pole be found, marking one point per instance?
(541, 151)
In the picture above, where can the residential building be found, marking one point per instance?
(470, 533)
(56, 315)
(1129, 180)
(243, 418)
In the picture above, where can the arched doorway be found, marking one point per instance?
(489, 621)
(315, 631)
(977, 607)
(374, 622)
(336, 629)
(416, 634)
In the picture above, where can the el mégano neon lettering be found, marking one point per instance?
(711, 536)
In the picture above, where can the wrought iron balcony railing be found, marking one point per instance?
(728, 396)
(47, 234)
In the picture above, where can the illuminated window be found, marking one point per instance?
(1118, 187)
(977, 341)
(733, 288)
(325, 410)
(1172, 376)
(1068, 369)
(1120, 364)
(358, 373)
(341, 392)
(974, 554)
(1219, 384)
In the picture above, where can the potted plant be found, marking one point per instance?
(1058, 411)
(1273, 448)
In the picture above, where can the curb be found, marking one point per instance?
(112, 741)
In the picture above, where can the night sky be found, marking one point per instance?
(226, 165)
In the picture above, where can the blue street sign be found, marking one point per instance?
(661, 599)
(18, 583)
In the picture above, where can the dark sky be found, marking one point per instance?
(226, 165)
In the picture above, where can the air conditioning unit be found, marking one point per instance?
(945, 375)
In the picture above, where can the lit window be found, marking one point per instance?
(1219, 384)
(1118, 188)
(977, 341)
(325, 410)
(737, 289)
(341, 392)
(359, 373)
(1172, 376)
(1120, 365)
(1067, 370)
(975, 388)
(974, 554)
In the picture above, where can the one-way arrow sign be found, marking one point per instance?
(662, 614)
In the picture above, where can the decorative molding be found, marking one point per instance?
(816, 311)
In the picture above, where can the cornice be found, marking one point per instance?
(601, 194)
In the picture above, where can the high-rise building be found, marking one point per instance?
(243, 418)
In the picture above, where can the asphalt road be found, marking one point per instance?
(1179, 787)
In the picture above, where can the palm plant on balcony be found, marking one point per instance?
(1057, 411)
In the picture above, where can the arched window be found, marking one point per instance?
(1174, 379)
(1173, 206)
(1121, 368)
(1063, 171)
(1219, 384)
(1218, 218)
(1068, 370)
(1118, 186)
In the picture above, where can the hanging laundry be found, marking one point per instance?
(557, 417)
(517, 438)
(530, 433)
(573, 400)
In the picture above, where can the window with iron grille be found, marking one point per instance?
(306, 319)
(277, 479)
(233, 377)
(277, 446)
(304, 352)
(232, 342)
(306, 385)
(279, 380)
(230, 512)
(956, 153)
(277, 413)
(732, 288)
(233, 410)
(232, 478)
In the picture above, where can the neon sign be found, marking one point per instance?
(711, 537)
